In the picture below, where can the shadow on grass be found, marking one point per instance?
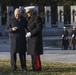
(53, 69)
(6, 70)
(47, 69)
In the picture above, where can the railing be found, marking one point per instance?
(54, 31)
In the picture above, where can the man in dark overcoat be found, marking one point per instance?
(16, 27)
(35, 44)
(73, 34)
(65, 42)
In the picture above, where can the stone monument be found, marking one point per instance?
(0, 17)
(47, 16)
(60, 16)
(9, 11)
(73, 15)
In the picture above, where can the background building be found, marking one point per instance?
(55, 14)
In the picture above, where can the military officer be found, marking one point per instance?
(34, 35)
(65, 39)
(73, 34)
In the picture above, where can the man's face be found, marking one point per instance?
(29, 14)
(17, 14)
(73, 28)
(64, 29)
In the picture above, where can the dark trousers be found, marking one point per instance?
(22, 56)
(65, 47)
(74, 46)
(36, 62)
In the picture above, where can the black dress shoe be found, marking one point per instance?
(14, 68)
(24, 69)
(37, 69)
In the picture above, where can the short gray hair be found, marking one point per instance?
(17, 9)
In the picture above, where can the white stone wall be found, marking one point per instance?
(47, 16)
(73, 15)
(0, 17)
(60, 16)
(10, 10)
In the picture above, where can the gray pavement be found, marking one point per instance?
(51, 54)
(68, 56)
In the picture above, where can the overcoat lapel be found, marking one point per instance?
(15, 21)
(31, 19)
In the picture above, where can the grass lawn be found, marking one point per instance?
(48, 68)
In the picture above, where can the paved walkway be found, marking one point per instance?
(68, 56)
(51, 54)
(54, 37)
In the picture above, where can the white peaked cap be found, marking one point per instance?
(64, 27)
(73, 27)
(29, 8)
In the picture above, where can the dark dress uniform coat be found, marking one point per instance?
(65, 38)
(17, 38)
(74, 38)
(35, 45)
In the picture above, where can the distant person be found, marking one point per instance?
(16, 25)
(65, 42)
(34, 35)
(73, 39)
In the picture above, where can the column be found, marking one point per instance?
(22, 10)
(47, 16)
(0, 17)
(60, 16)
(9, 11)
(73, 15)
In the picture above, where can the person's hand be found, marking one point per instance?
(62, 35)
(73, 35)
(28, 34)
(14, 28)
